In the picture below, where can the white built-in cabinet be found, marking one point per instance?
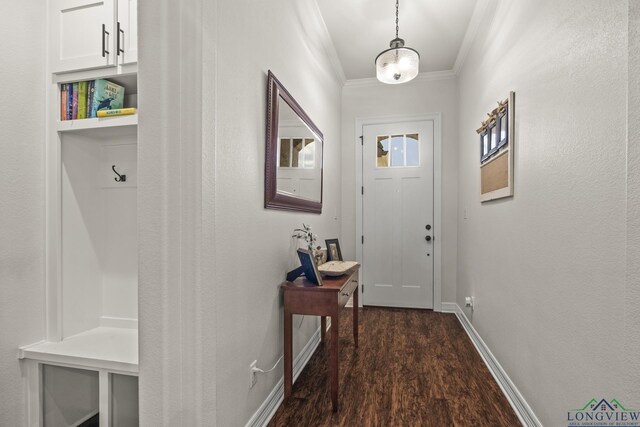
(86, 366)
(87, 34)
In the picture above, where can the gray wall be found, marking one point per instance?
(632, 302)
(547, 267)
(253, 245)
(211, 257)
(22, 224)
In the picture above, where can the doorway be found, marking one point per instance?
(400, 212)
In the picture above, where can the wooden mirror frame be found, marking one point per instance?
(272, 198)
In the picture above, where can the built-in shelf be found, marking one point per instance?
(97, 123)
(121, 74)
(112, 349)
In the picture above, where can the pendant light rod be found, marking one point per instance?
(398, 64)
(397, 8)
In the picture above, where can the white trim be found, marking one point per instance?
(328, 45)
(96, 123)
(515, 398)
(33, 392)
(449, 307)
(437, 194)
(265, 412)
(118, 322)
(104, 398)
(477, 18)
(424, 76)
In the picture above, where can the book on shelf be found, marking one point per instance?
(74, 102)
(69, 101)
(116, 112)
(91, 90)
(63, 101)
(84, 100)
(107, 96)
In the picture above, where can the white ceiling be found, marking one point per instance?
(361, 29)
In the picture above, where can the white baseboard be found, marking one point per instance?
(118, 322)
(519, 405)
(448, 307)
(265, 412)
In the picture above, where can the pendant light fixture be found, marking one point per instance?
(399, 64)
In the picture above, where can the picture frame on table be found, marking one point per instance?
(333, 250)
(309, 266)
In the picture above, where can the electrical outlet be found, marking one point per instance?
(468, 302)
(253, 378)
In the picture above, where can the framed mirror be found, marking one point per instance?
(293, 161)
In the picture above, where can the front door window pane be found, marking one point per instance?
(412, 150)
(397, 150)
(382, 158)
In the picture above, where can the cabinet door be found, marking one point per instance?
(82, 34)
(127, 31)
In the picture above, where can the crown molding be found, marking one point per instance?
(477, 17)
(328, 45)
(424, 76)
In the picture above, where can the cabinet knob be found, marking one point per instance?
(428, 238)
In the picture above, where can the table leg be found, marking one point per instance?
(323, 328)
(355, 315)
(334, 368)
(288, 349)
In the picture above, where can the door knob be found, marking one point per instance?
(428, 227)
(428, 238)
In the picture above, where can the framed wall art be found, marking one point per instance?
(497, 151)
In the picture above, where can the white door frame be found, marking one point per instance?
(437, 193)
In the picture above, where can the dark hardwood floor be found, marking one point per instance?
(412, 368)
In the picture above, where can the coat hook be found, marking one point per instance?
(120, 178)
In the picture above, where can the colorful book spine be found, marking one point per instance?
(69, 101)
(90, 111)
(116, 112)
(74, 102)
(82, 100)
(63, 101)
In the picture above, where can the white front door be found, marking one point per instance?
(397, 176)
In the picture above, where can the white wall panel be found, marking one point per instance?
(22, 201)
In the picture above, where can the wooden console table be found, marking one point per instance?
(304, 297)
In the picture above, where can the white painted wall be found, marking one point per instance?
(99, 223)
(22, 201)
(210, 267)
(253, 245)
(547, 267)
(421, 96)
(632, 307)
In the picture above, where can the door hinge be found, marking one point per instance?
(362, 239)
(361, 140)
(362, 190)
(362, 286)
